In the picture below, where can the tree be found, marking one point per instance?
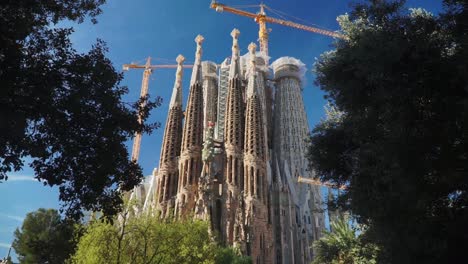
(146, 239)
(229, 255)
(401, 143)
(45, 237)
(342, 246)
(62, 109)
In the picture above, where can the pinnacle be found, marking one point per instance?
(234, 68)
(196, 72)
(235, 33)
(180, 59)
(252, 48)
(199, 39)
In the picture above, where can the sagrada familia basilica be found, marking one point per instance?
(234, 155)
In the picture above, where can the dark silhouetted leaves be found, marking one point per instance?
(401, 81)
(63, 110)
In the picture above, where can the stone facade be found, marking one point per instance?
(168, 174)
(236, 159)
(190, 163)
(300, 215)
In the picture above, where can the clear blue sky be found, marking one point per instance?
(135, 30)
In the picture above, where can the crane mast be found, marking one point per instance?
(263, 31)
(148, 70)
(144, 92)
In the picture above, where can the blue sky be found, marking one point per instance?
(163, 29)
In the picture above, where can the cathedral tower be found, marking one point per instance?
(303, 202)
(168, 168)
(233, 142)
(258, 227)
(190, 163)
(236, 158)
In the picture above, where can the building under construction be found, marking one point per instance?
(235, 156)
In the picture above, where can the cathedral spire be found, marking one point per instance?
(168, 170)
(255, 172)
(234, 70)
(235, 103)
(254, 154)
(190, 163)
(197, 71)
(233, 144)
(251, 86)
(176, 98)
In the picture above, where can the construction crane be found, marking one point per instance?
(261, 18)
(148, 69)
(320, 183)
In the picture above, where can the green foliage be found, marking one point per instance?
(146, 239)
(229, 255)
(62, 109)
(400, 81)
(45, 237)
(342, 246)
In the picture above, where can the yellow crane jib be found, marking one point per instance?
(319, 183)
(261, 18)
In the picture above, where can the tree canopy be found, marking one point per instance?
(400, 84)
(45, 237)
(63, 110)
(343, 246)
(146, 239)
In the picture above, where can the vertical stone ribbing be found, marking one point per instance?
(190, 163)
(210, 93)
(290, 132)
(233, 143)
(168, 172)
(259, 230)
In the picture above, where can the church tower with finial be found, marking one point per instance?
(256, 186)
(233, 143)
(190, 163)
(236, 158)
(168, 173)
